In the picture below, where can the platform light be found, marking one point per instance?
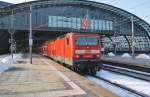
(30, 35)
(133, 42)
(12, 31)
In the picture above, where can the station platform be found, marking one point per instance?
(141, 63)
(46, 78)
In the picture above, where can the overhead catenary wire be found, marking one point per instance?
(135, 6)
(125, 21)
(146, 16)
(139, 5)
(142, 4)
(112, 1)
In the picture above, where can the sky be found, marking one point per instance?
(141, 8)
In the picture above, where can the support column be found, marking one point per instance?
(133, 43)
(30, 36)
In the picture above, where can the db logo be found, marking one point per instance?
(86, 22)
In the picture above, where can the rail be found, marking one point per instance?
(123, 87)
(129, 72)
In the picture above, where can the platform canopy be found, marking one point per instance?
(50, 16)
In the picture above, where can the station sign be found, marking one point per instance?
(86, 22)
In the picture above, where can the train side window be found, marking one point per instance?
(67, 41)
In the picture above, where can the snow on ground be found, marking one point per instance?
(3, 67)
(133, 83)
(4, 62)
(142, 56)
(126, 55)
(118, 91)
(9, 60)
(111, 54)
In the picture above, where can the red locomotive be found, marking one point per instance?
(78, 50)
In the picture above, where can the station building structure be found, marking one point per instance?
(52, 18)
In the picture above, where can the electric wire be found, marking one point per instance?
(112, 1)
(139, 5)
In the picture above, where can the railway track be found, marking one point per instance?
(129, 72)
(123, 87)
(128, 66)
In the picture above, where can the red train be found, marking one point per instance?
(78, 50)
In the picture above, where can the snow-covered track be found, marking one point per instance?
(129, 72)
(122, 86)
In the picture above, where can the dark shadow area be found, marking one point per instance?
(14, 69)
(21, 62)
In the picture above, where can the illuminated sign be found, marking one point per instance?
(86, 22)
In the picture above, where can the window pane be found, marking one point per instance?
(86, 40)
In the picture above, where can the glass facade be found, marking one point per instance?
(141, 43)
(61, 17)
(76, 23)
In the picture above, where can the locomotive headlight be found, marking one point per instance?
(77, 56)
(97, 55)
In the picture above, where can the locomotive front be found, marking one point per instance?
(87, 52)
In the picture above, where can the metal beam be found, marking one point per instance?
(127, 42)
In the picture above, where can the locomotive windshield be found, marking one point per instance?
(86, 40)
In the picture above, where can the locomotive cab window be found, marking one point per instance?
(86, 40)
(67, 41)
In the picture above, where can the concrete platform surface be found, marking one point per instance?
(129, 61)
(46, 78)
